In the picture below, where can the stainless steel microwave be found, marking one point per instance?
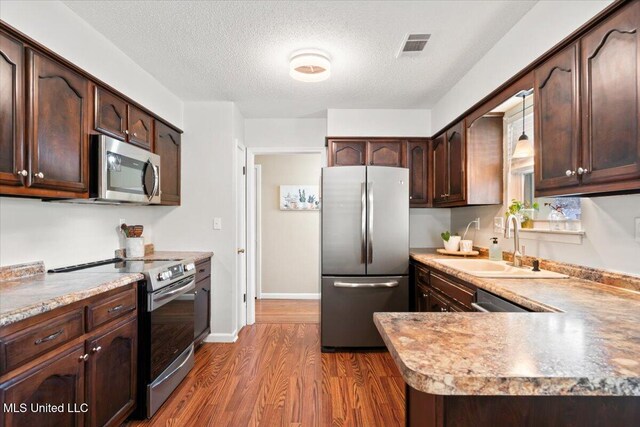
(122, 173)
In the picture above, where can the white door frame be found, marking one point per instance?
(242, 283)
(255, 223)
(252, 227)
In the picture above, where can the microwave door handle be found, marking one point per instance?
(156, 180)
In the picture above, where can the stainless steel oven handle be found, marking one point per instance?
(161, 296)
(389, 284)
(478, 307)
(170, 374)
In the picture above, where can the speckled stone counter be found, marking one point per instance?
(24, 297)
(584, 340)
(176, 255)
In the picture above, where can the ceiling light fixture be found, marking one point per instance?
(524, 147)
(310, 66)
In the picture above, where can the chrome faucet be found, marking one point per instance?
(517, 256)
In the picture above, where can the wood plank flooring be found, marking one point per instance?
(275, 375)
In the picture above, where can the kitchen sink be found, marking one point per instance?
(487, 268)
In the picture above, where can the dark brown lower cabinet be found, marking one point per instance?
(433, 292)
(111, 374)
(57, 381)
(202, 300)
(429, 410)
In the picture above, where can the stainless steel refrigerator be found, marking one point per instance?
(365, 251)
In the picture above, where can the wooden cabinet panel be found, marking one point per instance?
(112, 374)
(484, 160)
(57, 105)
(440, 170)
(33, 341)
(58, 380)
(202, 308)
(203, 269)
(454, 291)
(456, 160)
(557, 121)
(167, 146)
(347, 152)
(386, 153)
(437, 302)
(610, 57)
(139, 128)
(418, 164)
(422, 298)
(111, 308)
(110, 115)
(12, 147)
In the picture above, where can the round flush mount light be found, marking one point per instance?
(310, 66)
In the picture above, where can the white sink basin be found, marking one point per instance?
(487, 268)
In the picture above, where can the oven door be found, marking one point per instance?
(128, 173)
(171, 312)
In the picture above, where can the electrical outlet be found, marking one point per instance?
(217, 223)
(638, 230)
(498, 224)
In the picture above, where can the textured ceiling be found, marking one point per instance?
(239, 51)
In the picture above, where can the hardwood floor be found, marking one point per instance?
(275, 375)
(287, 311)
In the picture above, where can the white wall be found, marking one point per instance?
(374, 122)
(290, 240)
(65, 234)
(208, 191)
(285, 132)
(546, 24)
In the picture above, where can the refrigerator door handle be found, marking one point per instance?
(363, 223)
(389, 284)
(370, 224)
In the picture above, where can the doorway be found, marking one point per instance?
(241, 218)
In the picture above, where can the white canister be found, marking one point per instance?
(134, 247)
(466, 245)
(453, 244)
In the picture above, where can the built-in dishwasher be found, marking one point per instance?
(489, 303)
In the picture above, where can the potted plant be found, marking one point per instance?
(524, 211)
(311, 200)
(451, 242)
(302, 198)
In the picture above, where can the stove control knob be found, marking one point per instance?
(189, 267)
(165, 275)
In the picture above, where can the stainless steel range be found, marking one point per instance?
(166, 324)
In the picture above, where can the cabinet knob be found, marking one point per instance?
(135, 134)
(424, 295)
(23, 172)
(38, 175)
(96, 349)
(443, 309)
(570, 172)
(126, 131)
(195, 292)
(83, 358)
(582, 171)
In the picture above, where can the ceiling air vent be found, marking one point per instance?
(413, 44)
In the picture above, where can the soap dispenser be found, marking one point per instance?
(495, 253)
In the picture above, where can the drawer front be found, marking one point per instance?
(422, 276)
(203, 269)
(111, 308)
(453, 290)
(37, 339)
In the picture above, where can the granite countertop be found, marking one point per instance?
(583, 339)
(176, 255)
(26, 296)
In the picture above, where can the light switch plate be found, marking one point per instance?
(638, 230)
(217, 223)
(498, 224)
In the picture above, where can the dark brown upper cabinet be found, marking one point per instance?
(347, 152)
(557, 121)
(139, 128)
(110, 114)
(390, 152)
(13, 169)
(440, 170)
(484, 160)
(610, 59)
(57, 126)
(449, 166)
(167, 146)
(418, 164)
(115, 117)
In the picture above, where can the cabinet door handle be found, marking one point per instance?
(570, 172)
(96, 349)
(126, 131)
(23, 172)
(201, 270)
(135, 134)
(582, 171)
(84, 358)
(116, 308)
(424, 295)
(53, 336)
(38, 175)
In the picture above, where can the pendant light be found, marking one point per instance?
(524, 147)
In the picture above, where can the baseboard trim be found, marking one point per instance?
(219, 337)
(270, 295)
